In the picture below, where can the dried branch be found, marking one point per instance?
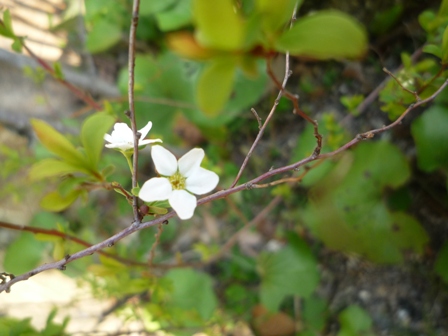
(131, 68)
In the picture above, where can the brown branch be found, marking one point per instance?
(263, 127)
(414, 93)
(80, 94)
(65, 236)
(374, 94)
(131, 69)
(61, 264)
(295, 101)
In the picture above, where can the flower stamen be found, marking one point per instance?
(177, 181)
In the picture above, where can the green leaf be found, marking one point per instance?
(407, 233)
(290, 271)
(155, 6)
(441, 264)
(92, 135)
(315, 313)
(58, 73)
(431, 138)
(218, 25)
(354, 321)
(17, 44)
(177, 17)
(56, 143)
(23, 254)
(103, 35)
(349, 200)
(433, 50)
(6, 25)
(324, 35)
(275, 13)
(192, 290)
(51, 168)
(215, 85)
(443, 10)
(56, 202)
(445, 46)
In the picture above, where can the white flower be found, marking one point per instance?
(123, 138)
(181, 178)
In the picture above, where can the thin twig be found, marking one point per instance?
(131, 68)
(61, 264)
(80, 94)
(234, 239)
(293, 98)
(374, 94)
(152, 252)
(414, 93)
(65, 236)
(297, 110)
(269, 117)
(254, 112)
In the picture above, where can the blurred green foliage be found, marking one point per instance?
(204, 63)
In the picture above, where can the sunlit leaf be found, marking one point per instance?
(58, 73)
(218, 25)
(431, 138)
(184, 44)
(6, 25)
(56, 202)
(17, 45)
(92, 135)
(51, 168)
(275, 13)
(290, 271)
(215, 85)
(56, 143)
(324, 35)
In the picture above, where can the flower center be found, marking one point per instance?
(177, 181)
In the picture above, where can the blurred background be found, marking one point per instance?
(352, 245)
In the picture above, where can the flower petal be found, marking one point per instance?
(191, 161)
(148, 141)
(183, 203)
(156, 189)
(108, 138)
(165, 162)
(144, 131)
(120, 145)
(202, 181)
(122, 132)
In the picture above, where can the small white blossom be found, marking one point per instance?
(123, 138)
(180, 179)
